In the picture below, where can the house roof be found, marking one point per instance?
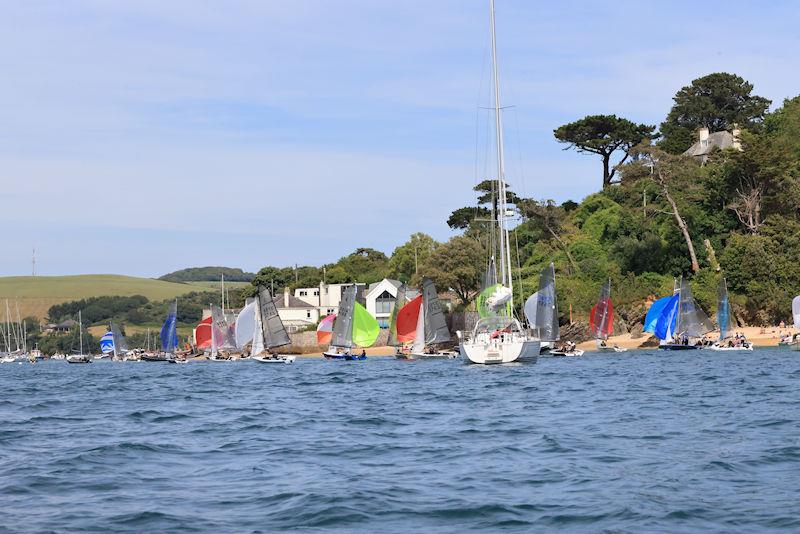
(294, 302)
(720, 140)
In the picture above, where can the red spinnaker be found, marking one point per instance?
(601, 319)
(407, 319)
(202, 334)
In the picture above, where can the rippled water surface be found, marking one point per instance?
(635, 441)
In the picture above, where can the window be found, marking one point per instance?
(316, 292)
(308, 314)
(304, 293)
(384, 303)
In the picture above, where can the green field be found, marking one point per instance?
(35, 294)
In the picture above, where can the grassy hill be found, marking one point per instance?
(35, 295)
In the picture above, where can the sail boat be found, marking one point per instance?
(268, 332)
(80, 357)
(113, 343)
(223, 338)
(545, 325)
(498, 336)
(796, 317)
(725, 322)
(422, 322)
(169, 337)
(601, 320)
(353, 326)
(680, 320)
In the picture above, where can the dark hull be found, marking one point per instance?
(155, 359)
(679, 347)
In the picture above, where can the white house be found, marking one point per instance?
(708, 142)
(381, 298)
(296, 313)
(325, 297)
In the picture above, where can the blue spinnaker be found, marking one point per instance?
(665, 326)
(169, 333)
(654, 313)
(107, 343)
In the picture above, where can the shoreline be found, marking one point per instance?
(760, 336)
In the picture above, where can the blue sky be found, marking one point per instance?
(143, 137)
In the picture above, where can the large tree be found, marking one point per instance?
(604, 135)
(407, 258)
(717, 102)
(671, 174)
(457, 265)
(478, 216)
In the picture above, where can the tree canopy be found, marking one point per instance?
(604, 135)
(717, 101)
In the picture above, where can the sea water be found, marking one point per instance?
(637, 441)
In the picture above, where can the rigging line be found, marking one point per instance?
(484, 58)
(523, 189)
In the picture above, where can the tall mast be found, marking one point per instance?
(80, 330)
(505, 256)
(222, 289)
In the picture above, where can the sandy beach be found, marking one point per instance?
(760, 336)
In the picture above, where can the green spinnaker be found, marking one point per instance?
(365, 327)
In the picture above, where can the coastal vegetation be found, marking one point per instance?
(658, 216)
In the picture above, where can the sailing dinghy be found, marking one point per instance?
(681, 320)
(168, 336)
(725, 322)
(80, 357)
(422, 323)
(268, 332)
(353, 326)
(601, 320)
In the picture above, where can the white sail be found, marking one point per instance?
(796, 311)
(258, 333)
(419, 340)
(245, 325)
(531, 305)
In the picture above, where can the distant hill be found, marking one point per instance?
(36, 294)
(208, 274)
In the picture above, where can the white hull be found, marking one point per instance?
(576, 352)
(279, 359)
(8, 359)
(745, 347)
(432, 356)
(498, 351)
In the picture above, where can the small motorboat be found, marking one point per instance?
(79, 358)
(274, 358)
(747, 345)
(564, 352)
(335, 355)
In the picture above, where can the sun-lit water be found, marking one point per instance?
(638, 441)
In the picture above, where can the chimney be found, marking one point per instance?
(285, 297)
(736, 133)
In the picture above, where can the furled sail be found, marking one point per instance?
(169, 332)
(436, 330)
(365, 327)
(601, 319)
(275, 334)
(796, 311)
(494, 299)
(692, 320)
(246, 324)
(343, 326)
(399, 302)
(724, 318)
(547, 306)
